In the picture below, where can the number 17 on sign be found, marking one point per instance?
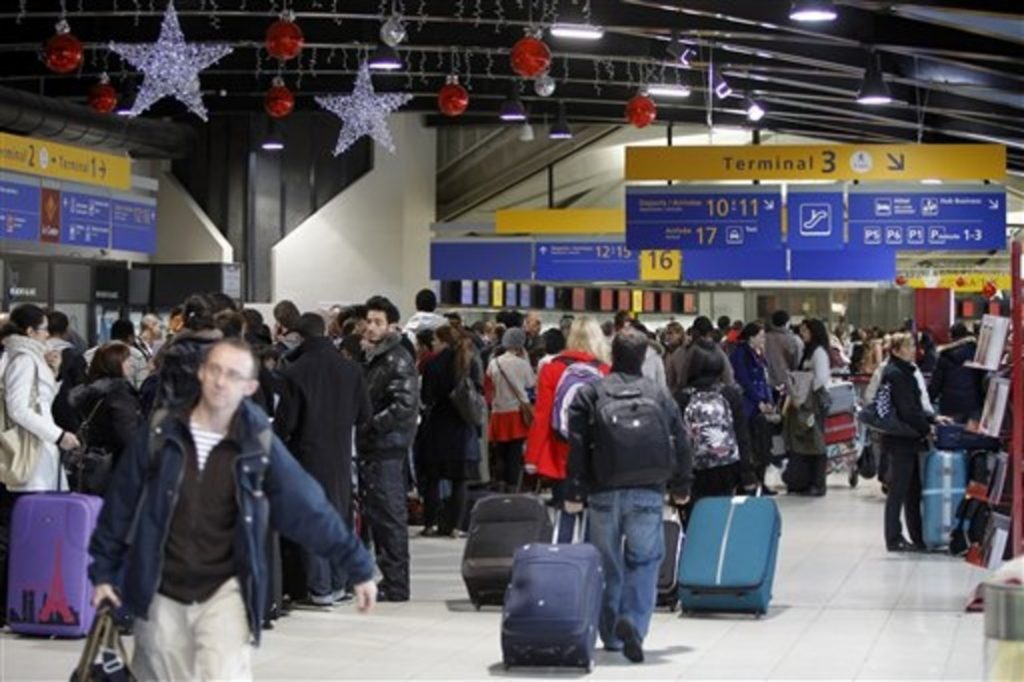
(658, 265)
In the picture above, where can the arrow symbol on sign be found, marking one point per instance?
(993, 204)
(769, 204)
(896, 162)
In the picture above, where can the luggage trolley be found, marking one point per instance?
(843, 438)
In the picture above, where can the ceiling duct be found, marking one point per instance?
(24, 113)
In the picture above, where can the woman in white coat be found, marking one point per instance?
(29, 386)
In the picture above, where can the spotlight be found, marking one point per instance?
(274, 140)
(577, 31)
(874, 90)
(812, 10)
(384, 58)
(679, 51)
(755, 112)
(720, 86)
(512, 109)
(560, 130)
(668, 90)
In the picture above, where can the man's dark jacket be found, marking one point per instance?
(393, 385)
(127, 547)
(959, 390)
(327, 398)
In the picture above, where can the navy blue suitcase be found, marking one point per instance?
(732, 544)
(553, 606)
(944, 486)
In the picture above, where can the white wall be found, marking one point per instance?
(374, 237)
(184, 233)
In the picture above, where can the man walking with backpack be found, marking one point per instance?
(626, 445)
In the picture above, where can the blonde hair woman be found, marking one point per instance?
(547, 453)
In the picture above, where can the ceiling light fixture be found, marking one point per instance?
(720, 86)
(668, 90)
(512, 109)
(874, 90)
(526, 132)
(577, 31)
(273, 141)
(384, 58)
(560, 130)
(755, 112)
(680, 51)
(809, 11)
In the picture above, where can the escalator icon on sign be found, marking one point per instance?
(815, 220)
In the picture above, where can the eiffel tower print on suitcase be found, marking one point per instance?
(48, 589)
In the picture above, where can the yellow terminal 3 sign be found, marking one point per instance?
(818, 162)
(47, 159)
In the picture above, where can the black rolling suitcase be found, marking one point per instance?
(668, 573)
(499, 525)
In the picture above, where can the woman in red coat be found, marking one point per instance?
(547, 452)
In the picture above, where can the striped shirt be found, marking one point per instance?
(205, 442)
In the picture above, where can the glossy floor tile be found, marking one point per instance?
(844, 609)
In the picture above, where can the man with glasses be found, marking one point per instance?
(181, 538)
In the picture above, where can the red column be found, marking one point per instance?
(1017, 394)
(933, 311)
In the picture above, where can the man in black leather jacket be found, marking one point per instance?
(383, 444)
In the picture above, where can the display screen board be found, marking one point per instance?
(814, 218)
(939, 218)
(858, 266)
(85, 220)
(481, 259)
(716, 265)
(585, 261)
(19, 209)
(133, 225)
(704, 217)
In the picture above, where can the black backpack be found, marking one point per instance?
(633, 439)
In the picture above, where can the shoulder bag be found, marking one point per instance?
(19, 448)
(92, 463)
(525, 407)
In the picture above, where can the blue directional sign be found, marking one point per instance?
(19, 210)
(952, 218)
(586, 261)
(704, 217)
(481, 259)
(815, 218)
(723, 266)
(859, 266)
(85, 220)
(134, 225)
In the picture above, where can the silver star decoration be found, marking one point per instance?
(170, 66)
(364, 112)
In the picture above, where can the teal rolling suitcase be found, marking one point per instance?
(731, 547)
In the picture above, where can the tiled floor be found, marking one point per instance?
(843, 610)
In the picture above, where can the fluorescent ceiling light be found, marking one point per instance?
(874, 90)
(668, 90)
(577, 31)
(931, 181)
(384, 58)
(812, 11)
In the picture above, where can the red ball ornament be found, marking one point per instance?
(284, 39)
(990, 289)
(103, 96)
(641, 110)
(63, 53)
(530, 57)
(279, 100)
(901, 280)
(452, 98)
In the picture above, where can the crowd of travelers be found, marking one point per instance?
(236, 452)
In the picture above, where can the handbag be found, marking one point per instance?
(92, 463)
(20, 449)
(525, 407)
(881, 416)
(104, 658)
(468, 402)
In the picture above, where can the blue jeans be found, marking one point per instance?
(630, 568)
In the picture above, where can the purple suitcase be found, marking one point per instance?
(48, 589)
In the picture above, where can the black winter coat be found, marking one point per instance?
(117, 415)
(733, 395)
(959, 390)
(393, 385)
(448, 444)
(326, 400)
(906, 400)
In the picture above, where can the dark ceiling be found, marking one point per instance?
(955, 69)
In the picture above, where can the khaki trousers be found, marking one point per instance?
(207, 641)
